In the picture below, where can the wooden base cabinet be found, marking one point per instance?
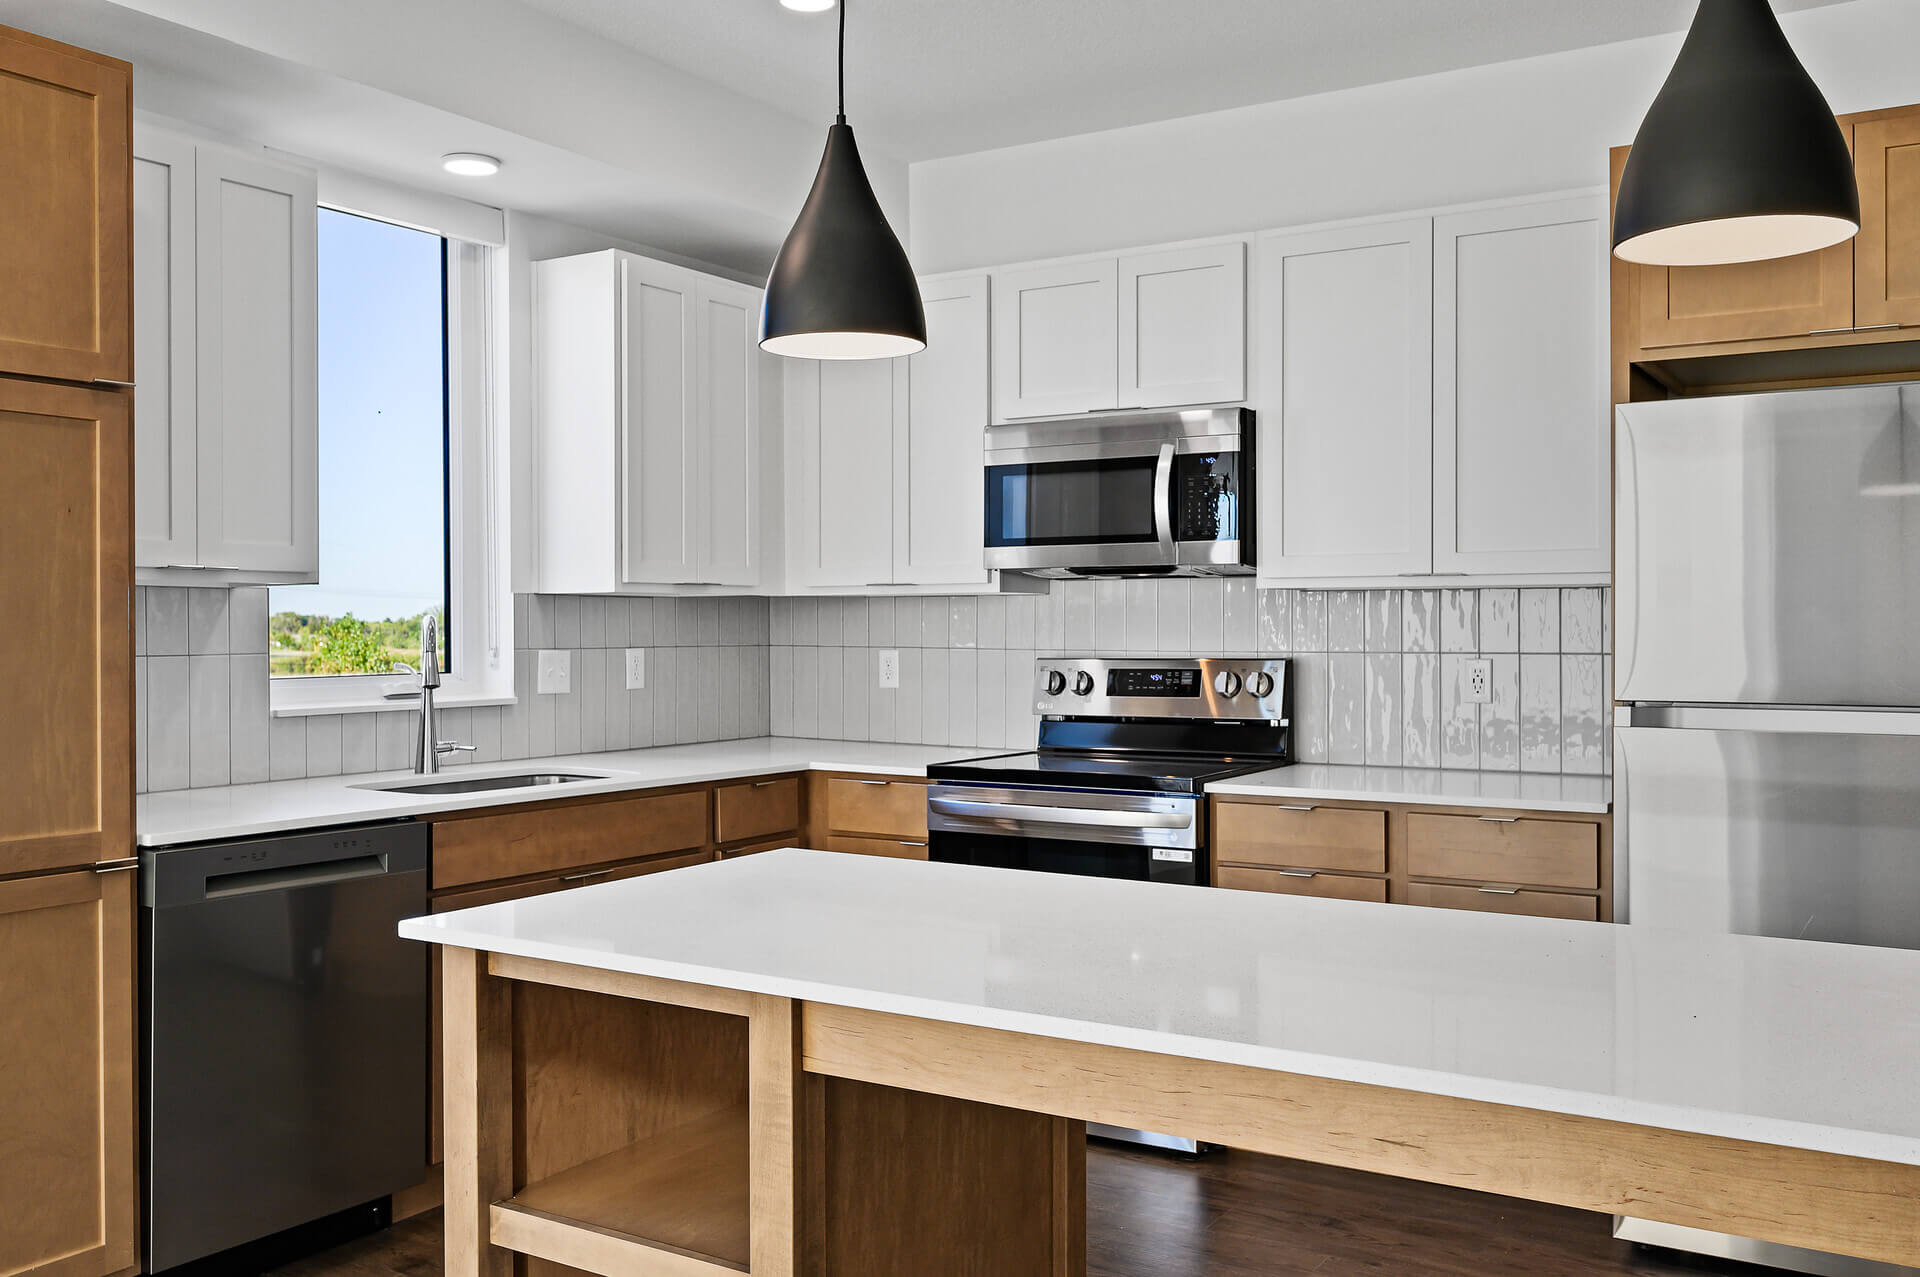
(866, 816)
(68, 1143)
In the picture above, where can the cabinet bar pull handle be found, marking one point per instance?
(1301, 873)
(1498, 891)
(1858, 328)
(905, 843)
(108, 381)
(762, 784)
(115, 866)
(1297, 806)
(583, 877)
(876, 782)
(1501, 820)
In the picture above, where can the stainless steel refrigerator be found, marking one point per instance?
(1767, 649)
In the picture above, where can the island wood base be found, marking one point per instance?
(633, 1127)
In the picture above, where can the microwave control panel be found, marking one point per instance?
(1206, 496)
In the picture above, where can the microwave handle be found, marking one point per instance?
(1163, 502)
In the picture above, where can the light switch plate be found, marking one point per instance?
(1479, 682)
(636, 668)
(556, 673)
(889, 667)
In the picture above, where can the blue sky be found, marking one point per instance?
(382, 508)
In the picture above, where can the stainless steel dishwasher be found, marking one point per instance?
(285, 1033)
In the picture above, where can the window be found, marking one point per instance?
(405, 455)
(383, 456)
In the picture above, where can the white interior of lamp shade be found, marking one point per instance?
(842, 345)
(1736, 239)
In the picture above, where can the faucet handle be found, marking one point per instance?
(450, 747)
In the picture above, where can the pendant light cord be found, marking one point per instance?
(841, 118)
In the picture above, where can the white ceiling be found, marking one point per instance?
(944, 77)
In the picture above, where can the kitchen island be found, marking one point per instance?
(807, 1063)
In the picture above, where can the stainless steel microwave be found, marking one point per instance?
(1136, 494)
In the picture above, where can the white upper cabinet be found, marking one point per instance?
(1147, 330)
(647, 427)
(840, 494)
(1055, 350)
(1183, 327)
(1521, 462)
(226, 319)
(1344, 412)
(938, 444)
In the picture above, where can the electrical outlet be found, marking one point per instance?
(1479, 682)
(889, 667)
(556, 673)
(636, 668)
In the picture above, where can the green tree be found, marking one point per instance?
(348, 646)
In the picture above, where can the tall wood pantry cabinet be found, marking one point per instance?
(67, 1070)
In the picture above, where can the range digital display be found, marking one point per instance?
(1153, 683)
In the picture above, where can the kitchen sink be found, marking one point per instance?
(483, 784)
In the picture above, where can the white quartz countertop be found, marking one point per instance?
(1785, 1042)
(242, 811)
(1430, 786)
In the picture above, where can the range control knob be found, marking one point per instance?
(1260, 684)
(1056, 682)
(1083, 684)
(1227, 683)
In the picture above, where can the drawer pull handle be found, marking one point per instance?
(762, 784)
(1301, 873)
(1501, 820)
(905, 843)
(1297, 806)
(1498, 891)
(597, 873)
(876, 782)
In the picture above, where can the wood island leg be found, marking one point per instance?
(773, 1136)
(477, 1016)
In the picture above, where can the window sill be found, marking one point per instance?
(378, 704)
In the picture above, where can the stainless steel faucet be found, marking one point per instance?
(427, 746)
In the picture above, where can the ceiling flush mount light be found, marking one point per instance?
(1739, 158)
(470, 164)
(842, 287)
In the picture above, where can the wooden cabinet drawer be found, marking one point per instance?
(1538, 904)
(756, 809)
(883, 808)
(898, 848)
(1300, 836)
(1541, 853)
(471, 848)
(1309, 882)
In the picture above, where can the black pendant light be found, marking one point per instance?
(1739, 158)
(842, 287)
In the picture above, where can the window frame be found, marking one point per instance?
(480, 659)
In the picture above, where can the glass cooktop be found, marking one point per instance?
(1163, 773)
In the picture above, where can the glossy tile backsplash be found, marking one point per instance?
(1380, 676)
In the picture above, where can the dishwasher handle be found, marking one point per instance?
(194, 875)
(248, 882)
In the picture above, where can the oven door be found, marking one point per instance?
(1095, 834)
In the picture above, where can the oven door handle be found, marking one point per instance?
(1163, 503)
(1064, 815)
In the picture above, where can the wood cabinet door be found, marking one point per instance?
(939, 522)
(1521, 457)
(67, 1076)
(66, 260)
(1183, 327)
(66, 594)
(1887, 252)
(256, 234)
(1344, 370)
(1055, 339)
(165, 432)
(840, 416)
(659, 422)
(726, 492)
(1747, 301)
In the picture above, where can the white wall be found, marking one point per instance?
(1515, 128)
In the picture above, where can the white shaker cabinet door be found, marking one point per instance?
(1183, 327)
(258, 399)
(658, 413)
(1055, 339)
(165, 432)
(939, 442)
(1344, 367)
(840, 465)
(727, 492)
(1521, 469)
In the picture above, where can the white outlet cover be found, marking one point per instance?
(1479, 682)
(555, 674)
(889, 667)
(636, 668)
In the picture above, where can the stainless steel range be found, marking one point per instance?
(1117, 786)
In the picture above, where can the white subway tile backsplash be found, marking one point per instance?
(1109, 618)
(991, 727)
(247, 619)
(1460, 620)
(705, 691)
(167, 620)
(907, 713)
(593, 621)
(833, 677)
(207, 613)
(1143, 617)
(993, 622)
(1500, 718)
(1384, 632)
(1384, 709)
(323, 744)
(963, 701)
(1346, 708)
(248, 714)
(855, 622)
(965, 622)
(1420, 621)
(1540, 620)
(359, 741)
(139, 716)
(1420, 709)
(1021, 611)
(856, 690)
(1173, 618)
(936, 710)
(1206, 614)
(1459, 717)
(1309, 734)
(1540, 725)
(1240, 617)
(1309, 621)
(209, 725)
(1347, 621)
(1582, 714)
(1581, 621)
(287, 748)
(880, 614)
(1276, 621)
(393, 738)
(566, 620)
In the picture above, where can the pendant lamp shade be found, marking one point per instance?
(1739, 158)
(842, 287)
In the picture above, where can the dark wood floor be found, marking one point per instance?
(1241, 1215)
